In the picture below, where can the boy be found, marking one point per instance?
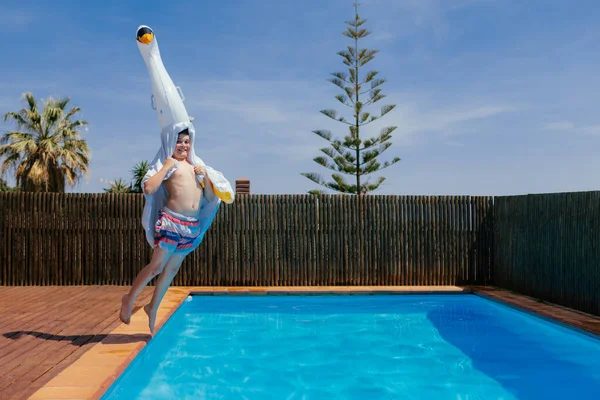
(178, 230)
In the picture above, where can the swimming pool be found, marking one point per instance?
(360, 347)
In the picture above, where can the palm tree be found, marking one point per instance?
(5, 188)
(46, 151)
(135, 186)
(139, 171)
(118, 186)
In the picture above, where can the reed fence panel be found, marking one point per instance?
(259, 240)
(547, 246)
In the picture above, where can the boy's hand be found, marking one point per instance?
(169, 163)
(198, 170)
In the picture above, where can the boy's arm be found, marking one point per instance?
(154, 182)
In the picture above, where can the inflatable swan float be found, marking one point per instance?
(167, 99)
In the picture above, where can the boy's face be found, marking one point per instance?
(182, 147)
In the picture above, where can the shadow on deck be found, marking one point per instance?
(46, 328)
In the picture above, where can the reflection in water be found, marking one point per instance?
(530, 358)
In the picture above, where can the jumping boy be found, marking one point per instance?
(179, 227)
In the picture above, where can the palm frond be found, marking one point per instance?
(47, 151)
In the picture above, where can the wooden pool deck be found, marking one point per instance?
(68, 343)
(45, 329)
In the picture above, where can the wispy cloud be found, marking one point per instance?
(245, 109)
(573, 127)
(273, 120)
(119, 19)
(442, 118)
(559, 125)
(15, 19)
(452, 115)
(401, 18)
(268, 118)
(454, 143)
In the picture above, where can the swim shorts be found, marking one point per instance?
(176, 233)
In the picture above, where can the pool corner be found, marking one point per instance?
(96, 370)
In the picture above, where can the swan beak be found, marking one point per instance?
(145, 35)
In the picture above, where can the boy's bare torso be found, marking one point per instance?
(184, 190)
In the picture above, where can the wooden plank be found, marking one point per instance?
(54, 327)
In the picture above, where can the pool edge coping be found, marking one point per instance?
(72, 384)
(108, 382)
(542, 315)
(92, 386)
(335, 290)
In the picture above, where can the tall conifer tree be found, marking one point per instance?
(355, 156)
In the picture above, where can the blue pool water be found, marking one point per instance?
(360, 347)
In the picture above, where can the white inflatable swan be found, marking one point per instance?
(167, 100)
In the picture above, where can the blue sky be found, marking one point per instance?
(494, 97)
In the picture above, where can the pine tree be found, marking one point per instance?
(354, 156)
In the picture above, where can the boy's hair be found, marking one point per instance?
(184, 132)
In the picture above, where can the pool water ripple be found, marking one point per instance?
(360, 347)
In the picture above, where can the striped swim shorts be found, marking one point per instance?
(176, 233)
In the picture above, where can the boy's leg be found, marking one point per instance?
(162, 284)
(160, 257)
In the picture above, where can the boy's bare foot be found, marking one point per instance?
(126, 307)
(151, 317)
